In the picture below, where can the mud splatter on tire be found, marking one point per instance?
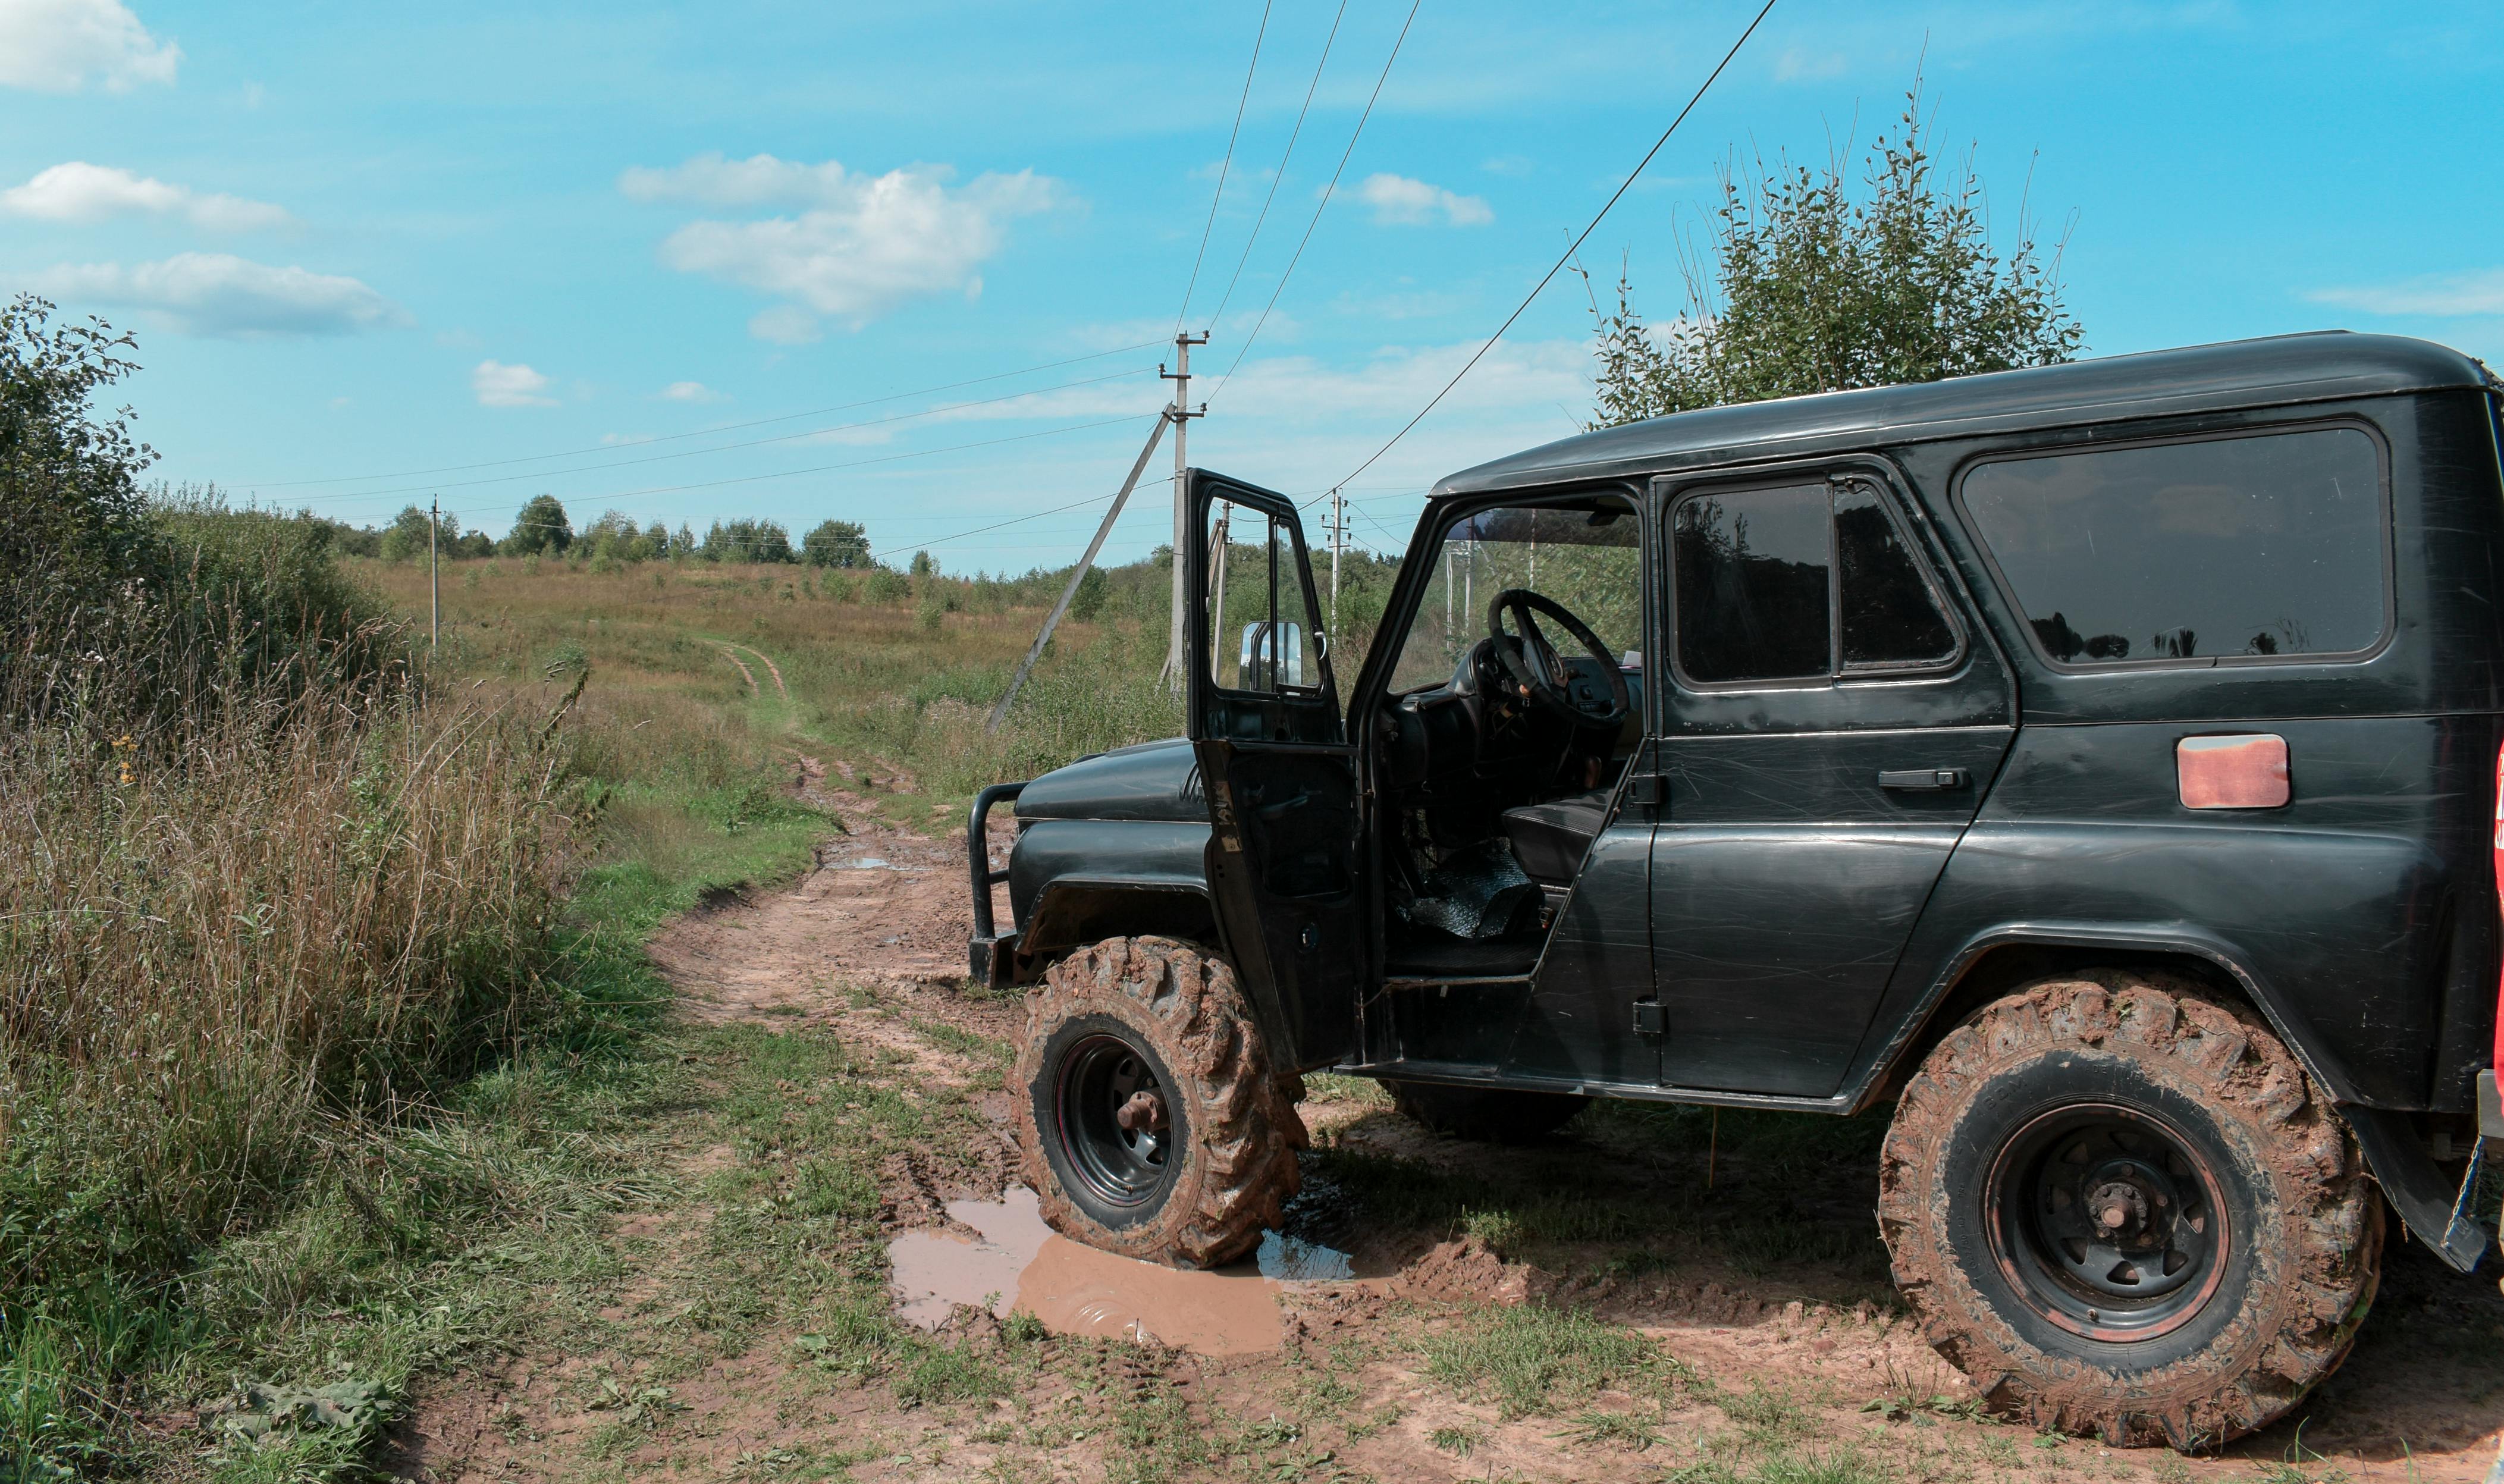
(1237, 1112)
(2309, 1253)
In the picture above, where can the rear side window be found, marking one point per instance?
(2259, 547)
(1800, 582)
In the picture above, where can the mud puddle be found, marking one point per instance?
(1021, 1263)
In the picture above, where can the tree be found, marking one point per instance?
(923, 564)
(68, 479)
(542, 525)
(748, 541)
(1817, 288)
(612, 536)
(404, 539)
(1089, 599)
(836, 543)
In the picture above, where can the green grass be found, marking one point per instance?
(1532, 1359)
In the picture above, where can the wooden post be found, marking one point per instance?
(1078, 575)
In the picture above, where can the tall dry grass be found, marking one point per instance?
(223, 943)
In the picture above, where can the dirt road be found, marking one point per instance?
(1653, 1294)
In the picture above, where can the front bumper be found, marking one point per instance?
(988, 952)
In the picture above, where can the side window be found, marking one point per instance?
(2265, 544)
(1800, 582)
(1263, 639)
(1891, 617)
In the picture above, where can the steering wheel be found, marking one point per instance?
(1537, 673)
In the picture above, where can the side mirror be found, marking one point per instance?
(1273, 655)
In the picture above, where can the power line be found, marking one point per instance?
(1223, 166)
(1570, 251)
(692, 453)
(456, 468)
(1327, 192)
(1224, 299)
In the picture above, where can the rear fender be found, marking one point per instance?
(2427, 1203)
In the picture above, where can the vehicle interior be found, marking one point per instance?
(1512, 709)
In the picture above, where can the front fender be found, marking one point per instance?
(1074, 881)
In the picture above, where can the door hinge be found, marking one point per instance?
(1647, 1018)
(1646, 788)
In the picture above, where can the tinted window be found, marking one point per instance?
(1889, 616)
(1750, 576)
(2236, 546)
(1754, 595)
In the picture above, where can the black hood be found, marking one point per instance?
(1153, 781)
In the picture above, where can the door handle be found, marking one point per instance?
(1928, 781)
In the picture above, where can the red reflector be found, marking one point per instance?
(2246, 772)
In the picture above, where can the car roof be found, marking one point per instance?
(2324, 365)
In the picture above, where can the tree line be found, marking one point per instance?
(543, 527)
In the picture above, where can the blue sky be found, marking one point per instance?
(374, 253)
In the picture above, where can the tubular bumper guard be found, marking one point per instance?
(987, 952)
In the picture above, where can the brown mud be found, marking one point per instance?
(1788, 1333)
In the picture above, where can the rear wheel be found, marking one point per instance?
(2122, 1209)
(1150, 1120)
(1505, 1115)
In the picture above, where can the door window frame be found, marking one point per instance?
(2095, 443)
(1674, 495)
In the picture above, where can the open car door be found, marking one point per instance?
(1285, 827)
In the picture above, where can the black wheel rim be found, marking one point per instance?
(1123, 1166)
(2108, 1221)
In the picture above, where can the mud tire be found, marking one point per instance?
(2298, 1269)
(1498, 1115)
(1231, 1116)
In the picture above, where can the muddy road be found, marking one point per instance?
(1651, 1294)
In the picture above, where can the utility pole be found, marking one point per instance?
(1175, 671)
(1338, 530)
(434, 575)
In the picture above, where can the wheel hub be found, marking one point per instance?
(1145, 1112)
(2106, 1222)
(1114, 1120)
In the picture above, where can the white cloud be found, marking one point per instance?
(1398, 200)
(784, 324)
(859, 247)
(499, 385)
(1506, 165)
(78, 192)
(621, 439)
(1800, 64)
(691, 392)
(59, 45)
(217, 293)
(2459, 293)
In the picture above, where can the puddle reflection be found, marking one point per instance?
(1021, 1263)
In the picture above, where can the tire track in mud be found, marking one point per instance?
(744, 672)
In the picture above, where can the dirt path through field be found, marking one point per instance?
(1731, 1325)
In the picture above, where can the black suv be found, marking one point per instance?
(2099, 762)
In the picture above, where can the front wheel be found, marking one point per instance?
(1150, 1118)
(2121, 1208)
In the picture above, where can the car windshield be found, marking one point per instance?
(1584, 553)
